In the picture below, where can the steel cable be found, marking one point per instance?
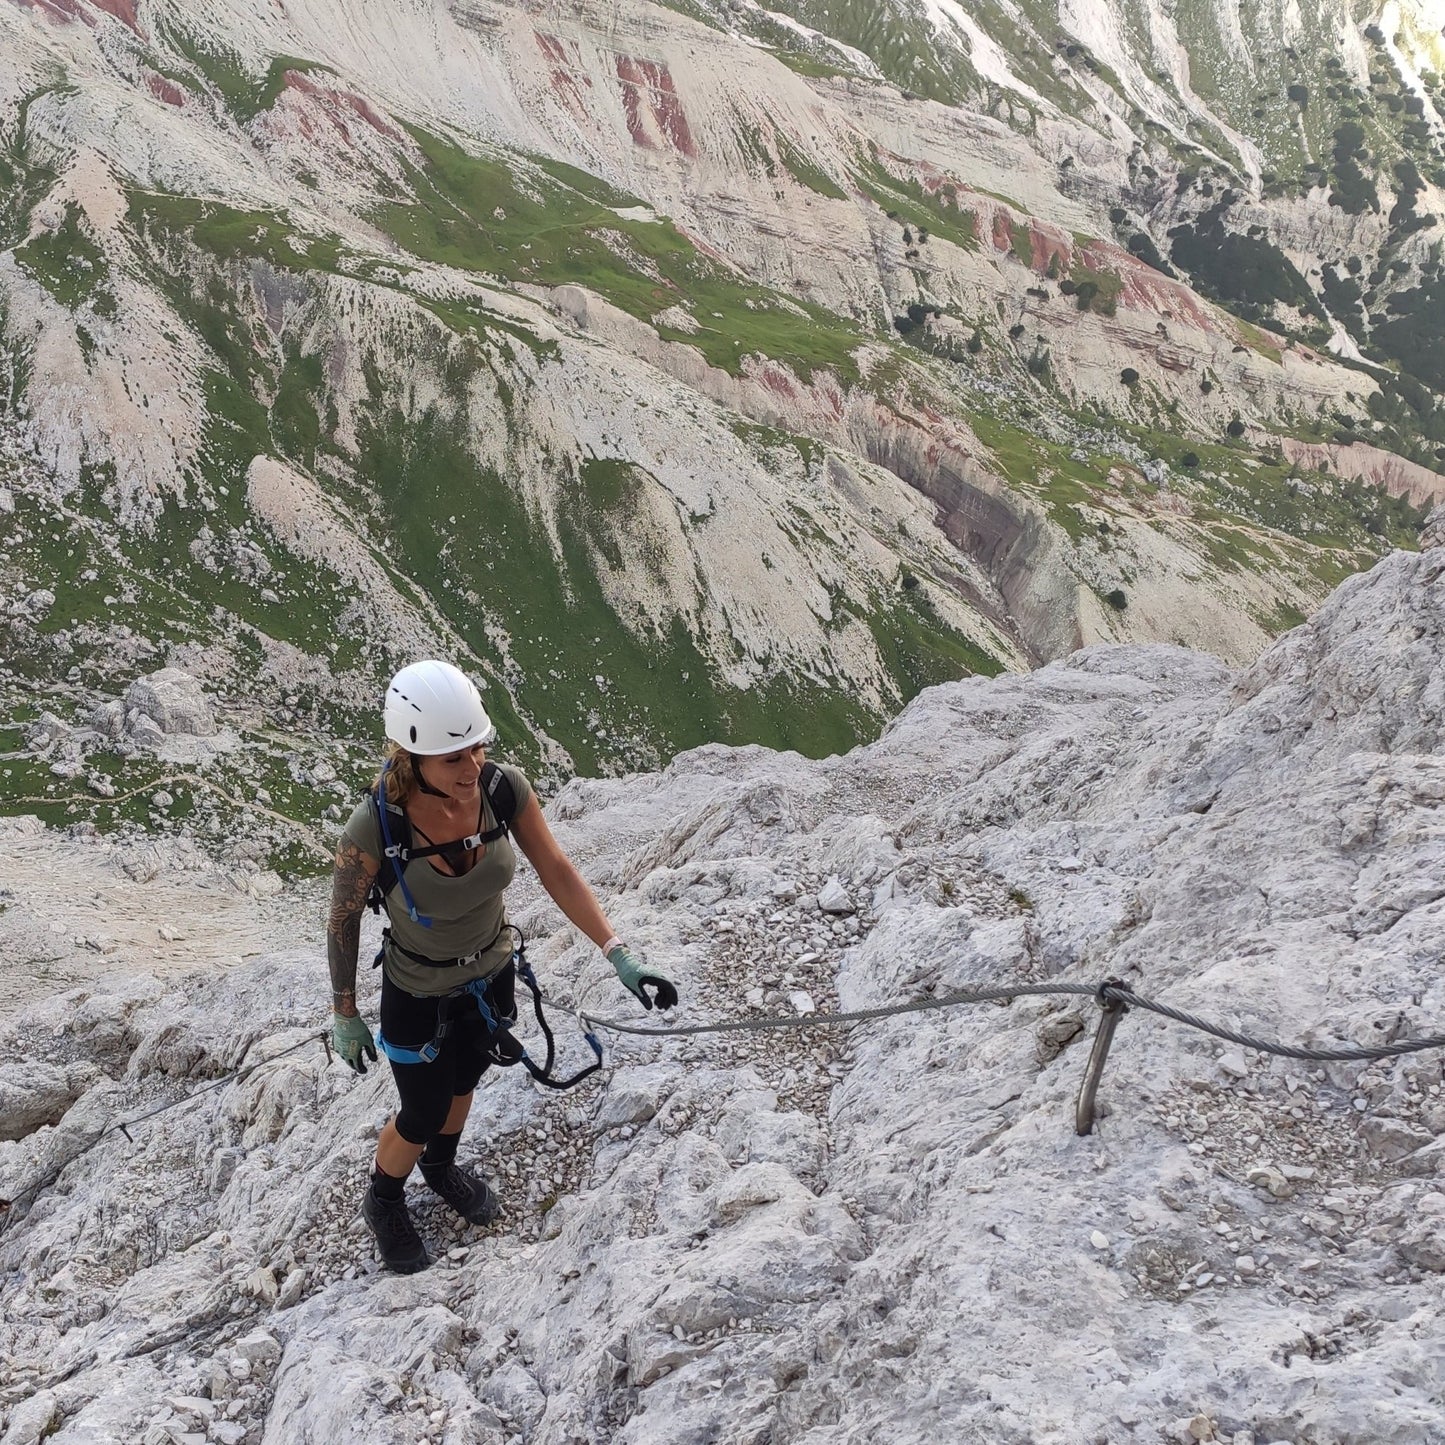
(1104, 993)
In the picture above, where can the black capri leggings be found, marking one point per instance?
(410, 1022)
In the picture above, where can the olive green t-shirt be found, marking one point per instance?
(467, 913)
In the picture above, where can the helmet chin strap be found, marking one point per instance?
(421, 782)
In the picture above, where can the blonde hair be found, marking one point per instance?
(400, 776)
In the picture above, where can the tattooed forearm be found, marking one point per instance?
(349, 887)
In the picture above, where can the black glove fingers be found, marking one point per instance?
(665, 995)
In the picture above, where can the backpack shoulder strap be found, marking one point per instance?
(500, 794)
(392, 830)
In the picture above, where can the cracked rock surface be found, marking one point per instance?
(829, 1235)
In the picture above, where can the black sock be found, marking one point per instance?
(387, 1186)
(440, 1152)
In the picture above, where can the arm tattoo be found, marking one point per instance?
(349, 887)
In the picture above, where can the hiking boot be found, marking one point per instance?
(397, 1241)
(468, 1195)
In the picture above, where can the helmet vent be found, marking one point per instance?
(413, 734)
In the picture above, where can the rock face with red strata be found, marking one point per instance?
(1395, 474)
(655, 116)
(166, 91)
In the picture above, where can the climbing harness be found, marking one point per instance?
(502, 1046)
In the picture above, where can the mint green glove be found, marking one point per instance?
(634, 976)
(351, 1038)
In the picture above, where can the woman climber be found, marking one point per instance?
(448, 978)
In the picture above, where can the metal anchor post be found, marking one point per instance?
(1112, 1009)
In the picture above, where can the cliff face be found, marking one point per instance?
(1391, 473)
(768, 1235)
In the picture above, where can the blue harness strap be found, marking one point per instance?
(503, 1047)
(393, 855)
(427, 1054)
(430, 1052)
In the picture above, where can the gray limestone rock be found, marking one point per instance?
(35, 1094)
(39, 604)
(33, 1419)
(143, 729)
(1391, 1139)
(173, 700)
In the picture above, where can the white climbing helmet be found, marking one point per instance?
(434, 708)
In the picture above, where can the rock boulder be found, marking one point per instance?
(173, 700)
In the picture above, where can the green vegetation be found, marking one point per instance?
(1353, 190)
(459, 529)
(275, 81)
(245, 95)
(229, 234)
(69, 264)
(23, 181)
(906, 201)
(907, 54)
(1410, 417)
(1021, 242)
(1144, 248)
(1093, 290)
(1248, 272)
(694, 10)
(812, 65)
(1412, 334)
(562, 226)
(920, 649)
(296, 413)
(806, 173)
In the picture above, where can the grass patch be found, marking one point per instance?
(69, 264)
(813, 66)
(920, 650)
(1096, 291)
(906, 51)
(244, 93)
(473, 213)
(806, 173)
(659, 695)
(229, 234)
(906, 200)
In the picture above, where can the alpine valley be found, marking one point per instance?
(691, 372)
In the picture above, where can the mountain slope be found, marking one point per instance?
(618, 345)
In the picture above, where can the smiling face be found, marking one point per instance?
(454, 774)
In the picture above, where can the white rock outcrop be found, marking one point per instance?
(817, 1236)
(172, 700)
